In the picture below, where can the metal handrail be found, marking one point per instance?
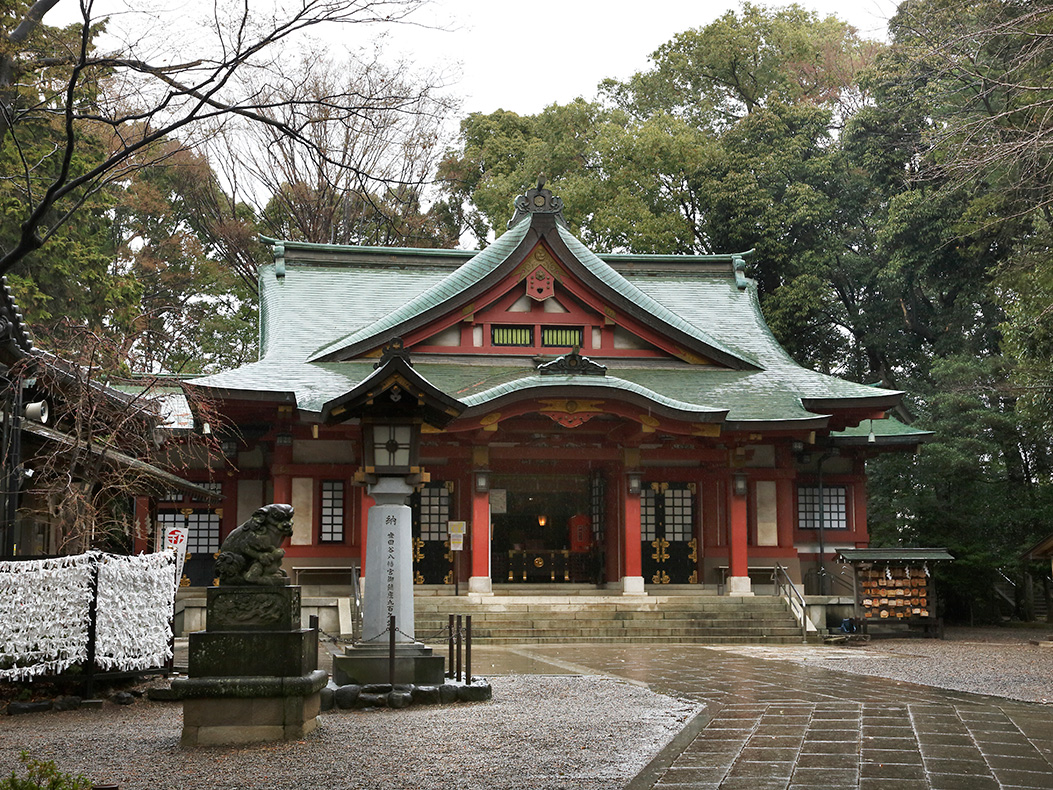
(782, 582)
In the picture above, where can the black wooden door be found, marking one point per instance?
(432, 558)
(668, 547)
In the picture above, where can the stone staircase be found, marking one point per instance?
(554, 619)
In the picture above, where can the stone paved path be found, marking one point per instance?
(774, 725)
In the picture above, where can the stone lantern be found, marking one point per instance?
(391, 405)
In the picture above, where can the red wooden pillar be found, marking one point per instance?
(281, 479)
(615, 537)
(738, 576)
(859, 522)
(632, 566)
(365, 502)
(479, 581)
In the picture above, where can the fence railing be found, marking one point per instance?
(787, 590)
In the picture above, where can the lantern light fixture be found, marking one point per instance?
(635, 480)
(740, 485)
(392, 448)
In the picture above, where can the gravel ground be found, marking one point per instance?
(998, 661)
(541, 732)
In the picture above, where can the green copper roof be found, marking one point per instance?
(434, 297)
(317, 300)
(889, 431)
(640, 297)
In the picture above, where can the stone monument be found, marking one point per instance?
(391, 405)
(253, 672)
(388, 593)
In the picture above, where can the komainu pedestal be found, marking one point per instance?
(253, 673)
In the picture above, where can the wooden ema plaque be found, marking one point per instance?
(894, 593)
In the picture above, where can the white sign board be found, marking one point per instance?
(175, 539)
(457, 530)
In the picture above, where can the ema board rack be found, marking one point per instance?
(894, 593)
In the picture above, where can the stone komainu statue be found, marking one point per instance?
(251, 554)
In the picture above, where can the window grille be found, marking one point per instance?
(648, 515)
(679, 514)
(434, 512)
(571, 337)
(835, 507)
(332, 512)
(513, 335)
(202, 528)
(597, 506)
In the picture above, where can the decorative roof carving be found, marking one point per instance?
(393, 349)
(572, 363)
(538, 201)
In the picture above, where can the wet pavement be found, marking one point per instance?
(770, 724)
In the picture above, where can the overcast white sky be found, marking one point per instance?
(522, 55)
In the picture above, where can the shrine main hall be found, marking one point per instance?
(627, 422)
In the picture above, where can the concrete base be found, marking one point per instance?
(739, 586)
(480, 585)
(253, 675)
(368, 664)
(214, 722)
(633, 585)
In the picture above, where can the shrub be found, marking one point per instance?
(43, 775)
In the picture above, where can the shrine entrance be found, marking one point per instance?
(433, 562)
(669, 546)
(543, 529)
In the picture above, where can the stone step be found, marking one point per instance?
(586, 633)
(653, 640)
(571, 619)
(514, 617)
(617, 604)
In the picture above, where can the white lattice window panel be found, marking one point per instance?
(834, 511)
(648, 515)
(679, 514)
(331, 528)
(434, 512)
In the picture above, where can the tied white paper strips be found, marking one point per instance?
(133, 628)
(44, 611)
(45, 608)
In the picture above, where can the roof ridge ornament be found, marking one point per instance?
(538, 201)
(393, 349)
(573, 363)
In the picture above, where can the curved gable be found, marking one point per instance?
(503, 267)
